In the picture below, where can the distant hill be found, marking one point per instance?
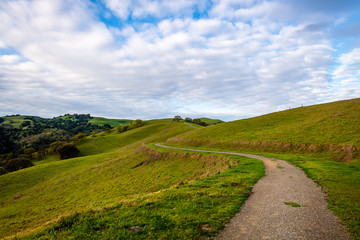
(19, 131)
(211, 121)
(330, 127)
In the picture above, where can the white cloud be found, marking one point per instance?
(349, 65)
(121, 8)
(9, 59)
(219, 65)
(346, 76)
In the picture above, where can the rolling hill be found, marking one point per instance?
(124, 187)
(332, 128)
(117, 169)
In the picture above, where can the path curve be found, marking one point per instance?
(190, 125)
(265, 214)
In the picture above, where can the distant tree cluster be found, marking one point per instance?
(17, 160)
(38, 133)
(196, 121)
(177, 118)
(25, 138)
(23, 157)
(138, 123)
(68, 150)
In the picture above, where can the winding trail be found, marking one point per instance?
(190, 125)
(265, 214)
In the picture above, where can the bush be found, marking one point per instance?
(68, 151)
(188, 119)
(17, 164)
(139, 123)
(198, 121)
(53, 148)
(78, 138)
(121, 129)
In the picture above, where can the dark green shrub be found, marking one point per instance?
(139, 123)
(78, 138)
(53, 148)
(17, 163)
(68, 151)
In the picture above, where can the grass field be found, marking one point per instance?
(315, 128)
(333, 123)
(124, 187)
(211, 121)
(193, 210)
(14, 121)
(112, 122)
(124, 170)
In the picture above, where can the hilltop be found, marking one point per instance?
(331, 127)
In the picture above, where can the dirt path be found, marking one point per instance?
(266, 216)
(190, 125)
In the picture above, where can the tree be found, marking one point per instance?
(198, 121)
(53, 148)
(78, 137)
(177, 118)
(28, 152)
(121, 129)
(68, 151)
(188, 119)
(26, 123)
(139, 123)
(17, 164)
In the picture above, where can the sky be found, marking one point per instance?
(147, 59)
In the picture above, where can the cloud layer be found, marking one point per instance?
(153, 59)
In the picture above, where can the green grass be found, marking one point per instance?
(334, 123)
(112, 122)
(210, 120)
(338, 123)
(194, 210)
(14, 121)
(153, 131)
(120, 188)
(339, 180)
(293, 204)
(31, 197)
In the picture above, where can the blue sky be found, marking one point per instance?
(227, 59)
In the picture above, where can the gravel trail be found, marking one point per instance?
(266, 216)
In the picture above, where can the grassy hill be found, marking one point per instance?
(308, 137)
(118, 173)
(124, 187)
(112, 122)
(319, 128)
(211, 121)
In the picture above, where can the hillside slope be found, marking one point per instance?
(319, 128)
(31, 197)
(115, 168)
